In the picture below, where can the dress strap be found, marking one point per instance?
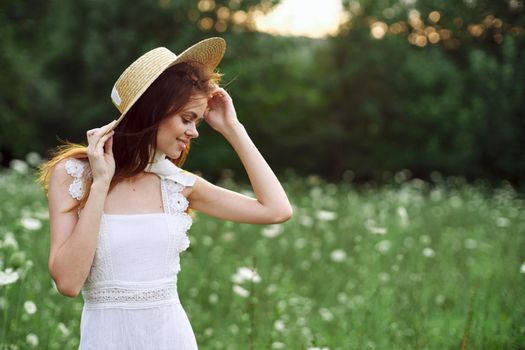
(173, 200)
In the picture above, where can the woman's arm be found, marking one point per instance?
(73, 240)
(270, 206)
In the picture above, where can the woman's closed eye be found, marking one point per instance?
(188, 121)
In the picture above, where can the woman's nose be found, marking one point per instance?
(192, 131)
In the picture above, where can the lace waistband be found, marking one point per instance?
(130, 295)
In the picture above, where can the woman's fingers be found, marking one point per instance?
(99, 136)
(100, 151)
(99, 146)
(100, 131)
(103, 139)
(109, 145)
(109, 126)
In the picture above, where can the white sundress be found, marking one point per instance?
(130, 295)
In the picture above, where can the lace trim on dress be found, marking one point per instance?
(176, 204)
(101, 268)
(75, 168)
(131, 294)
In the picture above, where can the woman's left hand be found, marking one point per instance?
(220, 114)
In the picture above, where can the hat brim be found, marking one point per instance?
(208, 52)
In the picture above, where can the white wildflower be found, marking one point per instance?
(246, 274)
(19, 166)
(31, 224)
(377, 230)
(272, 230)
(8, 276)
(425, 239)
(278, 345)
(384, 277)
(403, 215)
(10, 241)
(522, 268)
(33, 158)
(30, 307)
(408, 242)
(342, 298)
(306, 332)
(471, 243)
(338, 255)
(455, 202)
(32, 340)
(440, 299)
(326, 314)
(402, 175)
(272, 288)
(233, 328)
(279, 325)
(436, 194)
(228, 236)
(193, 292)
(325, 215)
(372, 227)
(241, 291)
(63, 329)
(428, 252)
(306, 220)
(207, 241)
(300, 243)
(213, 298)
(502, 222)
(383, 246)
(357, 300)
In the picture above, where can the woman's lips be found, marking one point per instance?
(182, 145)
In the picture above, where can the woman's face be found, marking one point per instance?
(176, 130)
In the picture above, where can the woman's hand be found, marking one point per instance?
(220, 113)
(100, 153)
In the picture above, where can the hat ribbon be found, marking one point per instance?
(163, 167)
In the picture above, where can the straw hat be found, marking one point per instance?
(140, 74)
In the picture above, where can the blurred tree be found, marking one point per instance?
(405, 98)
(405, 84)
(61, 58)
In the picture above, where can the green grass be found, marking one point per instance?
(409, 265)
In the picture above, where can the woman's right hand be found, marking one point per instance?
(100, 153)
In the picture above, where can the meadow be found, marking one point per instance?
(405, 265)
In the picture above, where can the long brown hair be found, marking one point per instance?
(136, 134)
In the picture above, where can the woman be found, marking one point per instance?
(120, 247)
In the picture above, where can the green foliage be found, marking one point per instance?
(408, 265)
(348, 104)
(455, 110)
